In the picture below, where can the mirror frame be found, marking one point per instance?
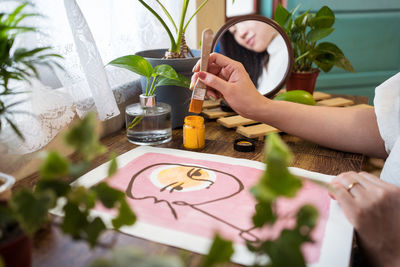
(273, 24)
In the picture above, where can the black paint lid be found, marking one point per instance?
(244, 145)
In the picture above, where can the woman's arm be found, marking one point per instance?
(347, 129)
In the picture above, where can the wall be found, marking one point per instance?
(367, 32)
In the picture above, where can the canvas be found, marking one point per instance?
(183, 198)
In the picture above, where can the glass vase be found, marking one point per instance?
(151, 122)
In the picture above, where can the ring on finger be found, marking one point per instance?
(350, 186)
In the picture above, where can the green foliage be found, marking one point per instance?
(30, 207)
(123, 257)
(160, 75)
(305, 30)
(18, 63)
(277, 182)
(221, 251)
(179, 29)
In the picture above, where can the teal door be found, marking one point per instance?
(368, 33)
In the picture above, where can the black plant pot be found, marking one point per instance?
(177, 97)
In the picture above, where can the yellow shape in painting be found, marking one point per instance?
(181, 177)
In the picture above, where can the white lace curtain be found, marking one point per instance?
(88, 34)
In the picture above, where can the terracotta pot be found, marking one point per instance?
(17, 251)
(302, 81)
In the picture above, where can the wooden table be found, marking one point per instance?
(51, 248)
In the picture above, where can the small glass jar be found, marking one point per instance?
(194, 132)
(152, 122)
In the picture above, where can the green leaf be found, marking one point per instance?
(54, 166)
(264, 214)
(83, 138)
(286, 249)
(301, 21)
(93, 231)
(76, 170)
(166, 71)
(134, 63)
(327, 55)
(107, 195)
(74, 221)
(125, 216)
(60, 188)
(324, 18)
(182, 81)
(281, 16)
(113, 167)
(82, 197)
(307, 216)
(31, 208)
(318, 34)
(220, 252)
(276, 180)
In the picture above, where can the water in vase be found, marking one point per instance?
(154, 124)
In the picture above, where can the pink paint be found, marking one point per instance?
(208, 212)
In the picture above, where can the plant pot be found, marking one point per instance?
(177, 97)
(17, 251)
(302, 81)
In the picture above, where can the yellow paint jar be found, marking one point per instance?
(194, 132)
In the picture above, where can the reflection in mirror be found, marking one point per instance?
(261, 49)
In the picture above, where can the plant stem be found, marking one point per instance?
(147, 86)
(168, 15)
(180, 30)
(152, 89)
(194, 14)
(171, 37)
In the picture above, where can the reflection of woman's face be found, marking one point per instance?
(253, 35)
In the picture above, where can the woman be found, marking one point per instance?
(261, 49)
(370, 204)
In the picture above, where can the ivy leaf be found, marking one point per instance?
(83, 138)
(107, 195)
(285, 250)
(53, 166)
(324, 18)
(220, 252)
(76, 170)
(264, 214)
(113, 166)
(31, 208)
(307, 218)
(60, 188)
(93, 230)
(81, 196)
(276, 180)
(125, 216)
(74, 220)
(134, 63)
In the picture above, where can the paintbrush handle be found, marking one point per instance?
(206, 42)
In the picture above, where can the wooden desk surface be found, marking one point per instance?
(51, 248)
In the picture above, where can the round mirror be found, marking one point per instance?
(262, 46)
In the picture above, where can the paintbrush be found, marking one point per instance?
(199, 90)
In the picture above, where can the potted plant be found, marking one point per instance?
(149, 122)
(310, 55)
(178, 56)
(24, 211)
(27, 209)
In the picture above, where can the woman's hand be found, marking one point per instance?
(373, 207)
(229, 78)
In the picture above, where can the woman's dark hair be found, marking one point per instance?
(252, 61)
